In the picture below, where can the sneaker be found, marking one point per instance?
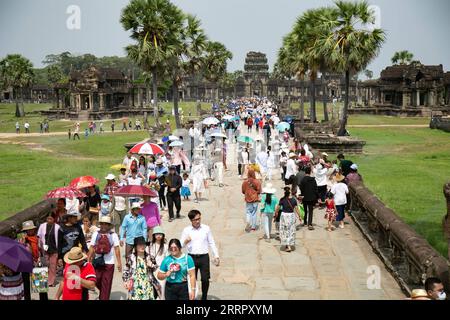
(310, 228)
(247, 228)
(170, 219)
(195, 201)
(267, 240)
(341, 226)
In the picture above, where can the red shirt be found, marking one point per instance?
(87, 272)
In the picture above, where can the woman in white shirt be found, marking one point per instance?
(320, 173)
(157, 251)
(340, 191)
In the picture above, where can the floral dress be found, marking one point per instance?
(140, 275)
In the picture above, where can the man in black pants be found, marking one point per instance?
(174, 182)
(310, 193)
(197, 238)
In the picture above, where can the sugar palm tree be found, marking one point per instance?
(155, 26)
(214, 62)
(16, 72)
(402, 57)
(347, 45)
(186, 56)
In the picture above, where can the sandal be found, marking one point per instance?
(288, 249)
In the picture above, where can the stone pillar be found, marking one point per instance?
(139, 100)
(102, 102)
(417, 98)
(91, 102)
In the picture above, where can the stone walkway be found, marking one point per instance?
(325, 265)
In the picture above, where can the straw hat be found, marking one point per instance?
(339, 177)
(292, 155)
(28, 225)
(110, 177)
(269, 189)
(419, 293)
(159, 230)
(105, 219)
(74, 255)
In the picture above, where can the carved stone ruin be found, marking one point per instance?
(446, 220)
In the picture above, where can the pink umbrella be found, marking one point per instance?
(83, 182)
(135, 191)
(64, 192)
(147, 148)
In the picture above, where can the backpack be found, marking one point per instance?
(103, 243)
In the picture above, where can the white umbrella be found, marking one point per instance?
(173, 138)
(219, 135)
(210, 121)
(227, 117)
(176, 144)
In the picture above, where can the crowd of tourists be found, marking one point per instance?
(85, 238)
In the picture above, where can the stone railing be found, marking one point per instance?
(38, 213)
(406, 254)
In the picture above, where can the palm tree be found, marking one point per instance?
(16, 71)
(348, 46)
(368, 73)
(186, 55)
(155, 26)
(402, 57)
(214, 62)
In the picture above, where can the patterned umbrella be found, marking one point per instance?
(135, 191)
(83, 182)
(147, 148)
(64, 192)
(15, 255)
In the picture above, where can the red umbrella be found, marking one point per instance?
(64, 192)
(83, 182)
(147, 148)
(135, 191)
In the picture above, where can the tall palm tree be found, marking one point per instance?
(16, 72)
(347, 45)
(155, 26)
(214, 62)
(402, 57)
(186, 55)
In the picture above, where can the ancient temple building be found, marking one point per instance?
(408, 86)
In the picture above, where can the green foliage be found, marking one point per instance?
(402, 57)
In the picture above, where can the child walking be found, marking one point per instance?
(185, 191)
(331, 211)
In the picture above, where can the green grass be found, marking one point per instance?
(406, 168)
(8, 119)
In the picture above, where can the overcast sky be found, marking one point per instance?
(35, 28)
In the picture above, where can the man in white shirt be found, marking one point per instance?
(291, 168)
(128, 160)
(197, 238)
(27, 127)
(97, 246)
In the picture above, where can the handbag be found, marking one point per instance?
(99, 262)
(39, 280)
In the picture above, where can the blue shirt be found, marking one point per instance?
(133, 227)
(160, 171)
(268, 208)
(180, 276)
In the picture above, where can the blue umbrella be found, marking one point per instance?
(288, 118)
(165, 139)
(282, 126)
(15, 255)
(245, 139)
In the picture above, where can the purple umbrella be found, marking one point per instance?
(15, 255)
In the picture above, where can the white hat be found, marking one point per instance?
(354, 166)
(110, 177)
(28, 225)
(269, 189)
(105, 219)
(325, 154)
(135, 205)
(292, 155)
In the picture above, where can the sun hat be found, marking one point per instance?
(354, 166)
(106, 197)
(269, 188)
(325, 154)
(159, 161)
(159, 230)
(74, 255)
(419, 293)
(292, 155)
(28, 225)
(135, 205)
(339, 177)
(105, 219)
(73, 213)
(110, 176)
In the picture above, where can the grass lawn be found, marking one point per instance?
(406, 168)
(8, 119)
